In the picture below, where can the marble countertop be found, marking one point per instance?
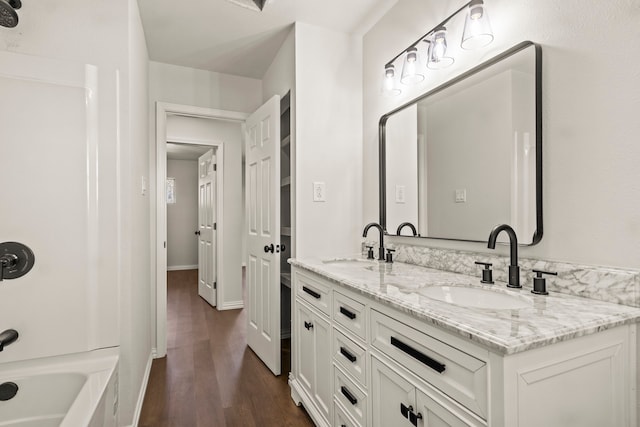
(544, 319)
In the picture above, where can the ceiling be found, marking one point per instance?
(185, 151)
(229, 36)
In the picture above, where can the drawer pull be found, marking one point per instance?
(308, 325)
(404, 410)
(351, 315)
(413, 417)
(350, 397)
(346, 353)
(433, 364)
(311, 292)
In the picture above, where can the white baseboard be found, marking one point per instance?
(231, 305)
(182, 267)
(143, 390)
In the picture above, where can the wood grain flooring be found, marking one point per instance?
(210, 378)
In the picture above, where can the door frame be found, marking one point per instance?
(159, 297)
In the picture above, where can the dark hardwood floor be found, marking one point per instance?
(210, 377)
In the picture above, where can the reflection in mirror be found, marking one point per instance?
(465, 157)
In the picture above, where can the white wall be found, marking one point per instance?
(135, 325)
(590, 127)
(108, 35)
(229, 133)
(328, 141)
(182, 216)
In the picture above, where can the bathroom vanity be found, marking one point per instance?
(378, 344)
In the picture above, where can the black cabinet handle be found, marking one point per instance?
(404, 410)
(350, 397)
(421, 357)
(350, 314)
(308, 325)
(311, 292)
(346, 353)
(413, 417)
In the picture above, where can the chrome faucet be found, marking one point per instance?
(514, 269)
(381, 230)
(8, 337)
(407, 224)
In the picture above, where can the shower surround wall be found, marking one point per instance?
(107, 35)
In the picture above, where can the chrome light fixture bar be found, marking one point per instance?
(477, 33)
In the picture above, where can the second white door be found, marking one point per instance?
(207, 227)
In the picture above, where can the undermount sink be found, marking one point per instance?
(475, 297)
(350, 262)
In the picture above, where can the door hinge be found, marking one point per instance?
(215, 225)
(215, 167)
(165, 244)
(215, 285)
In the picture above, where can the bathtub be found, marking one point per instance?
(75, 390)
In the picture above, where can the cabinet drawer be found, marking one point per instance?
(350, 356)
(455, 373)
(340, 417)
(313, 291)
(350, 314)
(350, 397)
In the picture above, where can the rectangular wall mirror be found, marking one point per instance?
(467, 156)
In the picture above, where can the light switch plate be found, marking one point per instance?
(319, 192)
(461, 196)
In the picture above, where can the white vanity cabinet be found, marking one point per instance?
(367, 363)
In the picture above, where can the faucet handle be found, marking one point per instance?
(487, 273)
(389, 257)
(370, 252)
(540, 283)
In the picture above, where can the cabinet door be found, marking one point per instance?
(313, 346)
(433, 413)
(323, 371)
(304, 347)
(390, 392)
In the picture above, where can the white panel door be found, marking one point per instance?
(59, 174)
(207, 272)
(263, 228)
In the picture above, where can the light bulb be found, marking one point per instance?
(438, 50)
(410, 71)
(477, 28)
(389, 82)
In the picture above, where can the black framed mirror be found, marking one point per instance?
(467, 155)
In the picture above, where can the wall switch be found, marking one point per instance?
(319, 192)
(461, 196)
(400, 191)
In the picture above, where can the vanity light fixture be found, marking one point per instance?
(389, 82)
(438, 50)
(477, 33)
(410, 72)
(477, 28)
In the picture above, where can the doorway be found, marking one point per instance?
(172, 123)
(193, 208)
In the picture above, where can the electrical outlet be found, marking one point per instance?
(319, 192)
(143, 186)
(400, 191)
(461, 196)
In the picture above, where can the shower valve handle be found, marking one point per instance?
(7, 261)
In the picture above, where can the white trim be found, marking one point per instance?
(143, 390)
(159, 299)
(231, 305)
(182, 267)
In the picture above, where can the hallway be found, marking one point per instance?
(210, 377)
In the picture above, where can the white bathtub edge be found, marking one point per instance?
(143, 391)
